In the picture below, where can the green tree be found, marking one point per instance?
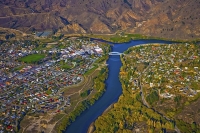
(153, 97)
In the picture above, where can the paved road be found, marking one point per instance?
(141, 89)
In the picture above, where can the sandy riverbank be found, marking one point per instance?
(91, 128)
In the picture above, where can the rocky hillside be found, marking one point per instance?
(178, 19)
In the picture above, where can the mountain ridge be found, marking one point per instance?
(173, 19)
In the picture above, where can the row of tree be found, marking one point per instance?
(99, 85)
(129, 113)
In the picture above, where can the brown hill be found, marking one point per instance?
(178, 19)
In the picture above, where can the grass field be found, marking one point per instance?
(90, 71)
(116, 38)
(126, 37)
(65, 65)
(32, 58)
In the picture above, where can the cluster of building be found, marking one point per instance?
(166, 67)
(35, 88)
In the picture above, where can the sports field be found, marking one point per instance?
(32, 58)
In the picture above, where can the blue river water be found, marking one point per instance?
(113, 88)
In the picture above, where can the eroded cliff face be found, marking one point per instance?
(178, 19)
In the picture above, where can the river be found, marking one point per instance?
(113, 88)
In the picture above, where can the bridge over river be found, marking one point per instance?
(115, 53)
(113, 88)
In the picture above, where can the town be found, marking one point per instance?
(163, 81)
(166, 75)
(32, 76)
(173, 69)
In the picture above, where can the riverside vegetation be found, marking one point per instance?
(170, 82)
(43, 82)
(129, 113)
(99, 85)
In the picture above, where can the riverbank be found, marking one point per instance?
(113, 89)
(130, 109)
(84, 105)
(91, 128)
(140, 108)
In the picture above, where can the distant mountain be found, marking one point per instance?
(177, 19)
